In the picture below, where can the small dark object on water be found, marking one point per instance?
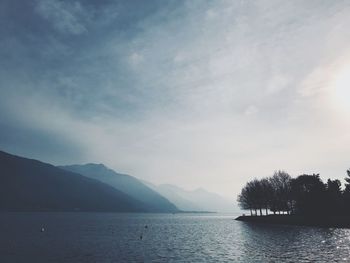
(141, 236)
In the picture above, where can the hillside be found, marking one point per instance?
(195, 200)
(31, 185)
(124, 183)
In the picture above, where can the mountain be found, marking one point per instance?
(31, 185)
(125, 183)
(197, 200)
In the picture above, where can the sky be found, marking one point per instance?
(194, 93)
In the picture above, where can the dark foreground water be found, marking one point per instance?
(104, 237)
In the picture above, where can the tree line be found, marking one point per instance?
(305, 195)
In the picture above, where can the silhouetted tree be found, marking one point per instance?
(252, 196)
(255, 191)
(309, 194)
(267, 194)
(347, 179)
(304, 195)
(244, 200)
(281, 192)
(334, 200)
(346, 194)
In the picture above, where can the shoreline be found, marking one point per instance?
(297, 220)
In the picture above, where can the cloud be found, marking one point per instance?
(316, 82)
(251, 110)
(66, 17)
(135, 59)
(277, 84)
(203, 94)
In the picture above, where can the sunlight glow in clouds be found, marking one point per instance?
(341, 88)
(195, 93)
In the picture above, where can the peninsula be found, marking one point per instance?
(303, 201)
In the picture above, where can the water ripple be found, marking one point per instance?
(108, 237)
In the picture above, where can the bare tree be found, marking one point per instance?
(281, 188)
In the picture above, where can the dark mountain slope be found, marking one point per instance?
(125, 183)
(30, 185)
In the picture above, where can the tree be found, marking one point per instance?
(309, 194)
(304, 195)
(267, 194)
(347, 179)
(281, 192)
(334, 197)
(244, 200)
(252, 196)
(256, 190)
(346, 194)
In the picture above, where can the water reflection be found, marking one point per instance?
(278, 243)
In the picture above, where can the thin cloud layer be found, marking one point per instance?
(199, 94)
(66, 17)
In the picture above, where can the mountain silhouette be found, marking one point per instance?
(31, 185)
(195, 200)
(125, 183)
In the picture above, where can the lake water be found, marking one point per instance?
(109, 237)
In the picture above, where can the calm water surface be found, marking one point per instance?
(104, 237)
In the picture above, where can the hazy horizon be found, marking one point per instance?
(199, 94)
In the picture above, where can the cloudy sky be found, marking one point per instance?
(194, 93)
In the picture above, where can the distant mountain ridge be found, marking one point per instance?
(195, 200)
(126, 184)
(31, 185)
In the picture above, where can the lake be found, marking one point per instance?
(111, 237)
